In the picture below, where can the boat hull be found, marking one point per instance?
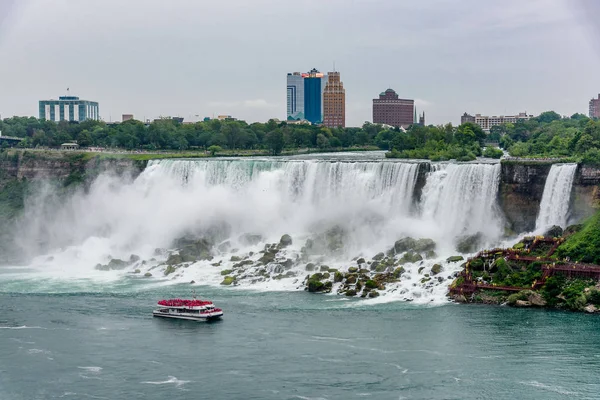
(203, 318)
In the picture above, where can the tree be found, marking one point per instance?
(548, 116)
(322, 141)
(214, 150)
(274, 141)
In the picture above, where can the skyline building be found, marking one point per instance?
(68, 108)
(295, 96)
(595, 107)
(389, 109)
(486, 122)
(334, 102)
(314, 85)
(305, 90)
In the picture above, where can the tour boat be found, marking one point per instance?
(195, 310)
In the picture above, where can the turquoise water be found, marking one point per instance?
(288, 345)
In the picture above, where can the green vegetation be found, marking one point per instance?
(583, 246)
(214, 136)
(575, 139)
(436, 143)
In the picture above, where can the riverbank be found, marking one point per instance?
(555, 270)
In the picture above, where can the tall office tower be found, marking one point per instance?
(334, 102)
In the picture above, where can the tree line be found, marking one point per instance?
(547, 135)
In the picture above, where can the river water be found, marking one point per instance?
(287, 345)
(71, 331)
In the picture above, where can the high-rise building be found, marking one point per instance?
(390, 110)
(313, 95)
(305, 91)
(595, 107)
(295, 96)
(68, 108)
(126, 117)
(334, 102)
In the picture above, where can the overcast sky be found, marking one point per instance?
(200, 57)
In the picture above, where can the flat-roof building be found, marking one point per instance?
(68, 108)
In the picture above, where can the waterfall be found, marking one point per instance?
(554, 207)
(461, 198)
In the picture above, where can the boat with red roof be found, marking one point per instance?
(195, 310)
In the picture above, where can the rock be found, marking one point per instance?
(174, 259)
(192, 282)
(137, 271)
(571, 229)
(436, 269)
(241, 264)
(522, 303)
(381, 268)
(226, 272)
(170, 269)
(373, 294)
(350, 292)
(159, 252)
(360, 261)
(228, 280)
(285, 240)
(371, 284)
(351, 279)
(338, 276)
(324, 268)
(235, 259)
(470, 243)
(404, 244)
(460, 298)
(353, 270)
(218, 264)
(554, 231)
(536, 299)
(431, 254)
(363, 271)
(147, 274)
(133, 258)
(288, 263)
(315, 284)
(590, 308)
(423, 245)
(398, 271)
(378, 257)
(410, 257)
(267, 258)
(358, 286)
(310, 267)
(454, 259)
(326, 275)
(194, 249)
(250, 239)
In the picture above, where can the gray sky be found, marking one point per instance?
(199, 57)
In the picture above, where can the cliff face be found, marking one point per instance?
(521, 190)
(60, 166)
(522, 187)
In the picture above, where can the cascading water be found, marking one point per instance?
(345, 210)
(554, 207)
(461, 198)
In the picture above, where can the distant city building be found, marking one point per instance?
(466, 118)
(68, 108)
(305, 96)
(422, 119)
(295, 96)
(391, 110)
(334, 102)
(225, 118)
(314, 85)
(595, 107)
(486, 122)
(126, 117)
